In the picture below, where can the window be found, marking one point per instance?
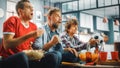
(93, 3)
(75, 5)
(116, 37)
(87, 4)
(107, 2)
(64, 7)
(114, 2)
(101, 25)
(81, 4)
(104, 3)
(116, 27)
(70, 6)
(86, 21)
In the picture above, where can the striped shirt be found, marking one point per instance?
(72, 42)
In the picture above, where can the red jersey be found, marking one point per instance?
(14, 26)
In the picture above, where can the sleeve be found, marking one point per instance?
(9, 26)
(81, 45)
(66, 43)
(38, 44)
(40, 41)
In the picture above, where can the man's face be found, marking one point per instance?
(55, 19)
(27, 12)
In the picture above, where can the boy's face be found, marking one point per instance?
(73, 29)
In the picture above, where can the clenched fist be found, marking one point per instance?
(55, 39)
(37, 33)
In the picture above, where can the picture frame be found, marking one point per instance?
(38, 15)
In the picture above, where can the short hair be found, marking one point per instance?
(69, 23)
(20, 5)
(53, 10)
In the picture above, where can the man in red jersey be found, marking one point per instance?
(18, 33)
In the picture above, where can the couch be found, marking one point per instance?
(0, 42)
(0, 49)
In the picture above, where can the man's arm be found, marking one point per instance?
(39, 45)
(47, 46)
(52, 42)
(10, 42)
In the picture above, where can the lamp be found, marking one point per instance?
(105, 20)
(116, 22)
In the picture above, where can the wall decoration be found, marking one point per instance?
(39, 15)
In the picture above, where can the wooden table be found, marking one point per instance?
(88, 66)
(111, 62)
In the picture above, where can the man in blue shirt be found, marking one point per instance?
(50, 40)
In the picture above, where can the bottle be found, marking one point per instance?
(102, 46)
(96, 48)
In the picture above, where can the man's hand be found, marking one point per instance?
(72, 50)
(93, 41)
(37, 33)
(55, 39)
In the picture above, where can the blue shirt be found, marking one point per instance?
(45, 38)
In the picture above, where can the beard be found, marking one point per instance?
(54, 25)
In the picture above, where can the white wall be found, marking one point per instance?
(3, 6)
